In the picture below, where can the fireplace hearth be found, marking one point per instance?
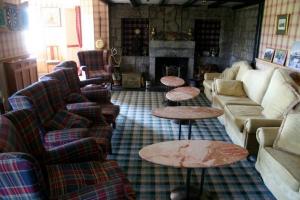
(178, 53)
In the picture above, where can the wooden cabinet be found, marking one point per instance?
(20, 73)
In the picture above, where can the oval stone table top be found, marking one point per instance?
(182, 93)
(193, 153)
(187, 112)
(172, 81)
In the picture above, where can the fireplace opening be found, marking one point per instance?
(170, 66)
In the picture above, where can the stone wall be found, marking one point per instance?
(170, 19)
(244, 34)
(236, 41)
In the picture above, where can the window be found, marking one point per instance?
(135, 37)
(207, 35)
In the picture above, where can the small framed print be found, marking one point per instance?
(280, 56)
(282, 23)
(268, 54)
(51, 17)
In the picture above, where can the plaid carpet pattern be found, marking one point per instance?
(136, 128)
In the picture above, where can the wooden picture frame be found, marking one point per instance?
(294, 60)
(280, 56)
(51, 16)
(282, 24)
(269, 54)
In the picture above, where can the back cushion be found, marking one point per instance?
(55, 95)
(244, 66)
(60, 76)
(37, 94)
(280, 95)
(288, 138)
(230, 87)
(255, 83)
(229, 73)
(73, 80)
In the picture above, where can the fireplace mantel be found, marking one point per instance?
(182, 49)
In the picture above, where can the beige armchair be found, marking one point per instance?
(278, 159)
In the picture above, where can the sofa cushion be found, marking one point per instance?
(208, 84)
(288, 138)
(225, 100)
(244, 66)
(240, 113)
(255, 83)
(230, 87)
(273, 102)
(229, 73)
(283, 166)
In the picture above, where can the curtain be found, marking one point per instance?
(78, 25)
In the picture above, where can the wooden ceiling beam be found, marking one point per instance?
(134, 3)
(249, 3)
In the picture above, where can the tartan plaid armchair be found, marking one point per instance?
(96, 63)
(58, 125)
(77, 98)
(73, 171)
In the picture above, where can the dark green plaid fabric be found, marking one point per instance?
(136, 128)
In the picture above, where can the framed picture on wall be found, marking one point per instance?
(282, 23)
(51, 17)
(294, 61)
(268, 54)
(280, 56)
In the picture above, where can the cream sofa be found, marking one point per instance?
(259, 99)
(235, 72)
(278, 159)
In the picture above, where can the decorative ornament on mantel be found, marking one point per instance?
(99, 44)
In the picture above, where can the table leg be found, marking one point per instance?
(188, 180)
(202, 181)
(190, 129)
(179, 136)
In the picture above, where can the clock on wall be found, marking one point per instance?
(11, 15)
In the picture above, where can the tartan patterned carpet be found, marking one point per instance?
(136, 128)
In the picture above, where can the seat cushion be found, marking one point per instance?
(273, 102)
(225, 100)
(208, 84)
(288, 138)
(75, 98)
(230, 87)
(65, 120)
(255, 83)
(283, 165)
(100, 73)
(59, 137)
(238, 114)
(66, 178)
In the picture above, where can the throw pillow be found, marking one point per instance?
(288, 138)
(229, 73)
(230, 87)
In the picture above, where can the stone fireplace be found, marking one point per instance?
(179, 50)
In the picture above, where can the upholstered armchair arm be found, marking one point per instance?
(82, 150)
(211, 76)
(93, 113)
(96, 81)
(266, 136)
(20, 177)
(99, 96)
(109, 68)
(252, 124)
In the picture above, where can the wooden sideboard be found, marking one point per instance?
(20, 72)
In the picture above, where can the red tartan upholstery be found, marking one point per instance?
(76, 170)
(95, 63)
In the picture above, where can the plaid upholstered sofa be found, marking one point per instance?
(75, 97)
(76, 170)
(96, 63)
(57, 124)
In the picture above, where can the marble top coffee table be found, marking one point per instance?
(193, 154)
(182, 93)
(172, 81)
(188, 113)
